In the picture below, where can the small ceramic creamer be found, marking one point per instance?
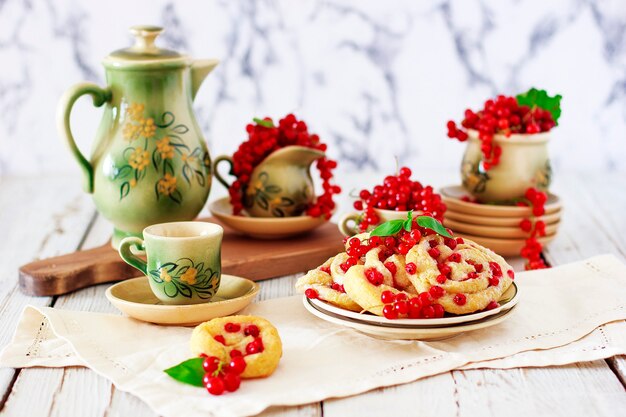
(149, 162)
(281, 185)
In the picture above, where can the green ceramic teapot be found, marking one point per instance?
(281, 185)
(149, 163)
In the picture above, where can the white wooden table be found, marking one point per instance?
(43, 217)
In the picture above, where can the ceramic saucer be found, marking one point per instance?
(504, 247)
(263, 227)
(451, 195)
(494, 231)
(497, 221)
(508, 300)
(134, 298)
(389, 331)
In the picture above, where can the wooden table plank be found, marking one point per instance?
(594, 223)
(38, 218)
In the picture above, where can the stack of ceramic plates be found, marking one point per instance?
(496, 226)
(415, 329)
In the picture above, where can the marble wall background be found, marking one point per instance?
(376, 79)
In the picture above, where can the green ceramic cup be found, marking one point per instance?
(183, 260)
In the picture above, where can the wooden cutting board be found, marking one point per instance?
(241, 256)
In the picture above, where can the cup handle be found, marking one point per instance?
(217, 173)
(99, 96)
(129, 257)
(345, 228)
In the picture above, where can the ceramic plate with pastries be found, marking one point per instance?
(411, 279)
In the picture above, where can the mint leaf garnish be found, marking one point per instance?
(433, 224)
(263, 122)
(408, 222)
(388, 228)
(392, 227)
(189, 371)
(540, 98)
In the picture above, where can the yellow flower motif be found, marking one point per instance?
(130, 131)
(167, 184)
(257, 186)
(188, 158)
(276, 201)
(165, 276)
(135, 111)
(189, 276)
(139, 159)
(133, 182)
(147, 127)
(165, 149)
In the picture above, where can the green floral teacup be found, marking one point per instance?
(183, 260)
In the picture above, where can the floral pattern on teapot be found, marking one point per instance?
(161, 143)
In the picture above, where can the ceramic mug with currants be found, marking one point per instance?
(393, 199)
(507, 150)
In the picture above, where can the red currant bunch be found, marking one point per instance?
(399, 193)
(422, 306)
(223, 376)
(535, 199)
(502, 116)
(263, 139)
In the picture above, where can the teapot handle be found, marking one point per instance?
(99, 96)
(217, 173)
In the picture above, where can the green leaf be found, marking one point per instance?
(264, 123)
(540, 98)
(189, 372)
(433, 224)
(408, 222)
(388, 228)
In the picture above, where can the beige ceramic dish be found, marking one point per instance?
(504, 247)
(263, 227)
(497, 221)
(388, 331)
(134, 298)
(494, 231)
(451, 195)
(507, 301)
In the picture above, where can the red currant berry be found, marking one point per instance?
(220, 338)
(232, 382)
(232, 327)
(511, 273)
(391, 267)
(411, 268)
(215, 386)
(387, 297)
(492, 304)
(439, 311)
(436, 291)
(434, 253)
(428, 312)
(210, 364)
(389, 312)
(441, 279)
(236, 365)
(251, 330)
(235, 353)
(493, 281)
(454, 257)
(311, 293)
(402, 307)
(459, 299)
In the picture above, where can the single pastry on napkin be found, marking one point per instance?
(253, 338)
(415, 272)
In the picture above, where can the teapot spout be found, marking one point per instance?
(296, 155)
(200, 68)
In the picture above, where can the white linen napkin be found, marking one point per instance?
(561, 318)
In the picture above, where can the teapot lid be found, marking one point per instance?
(144, 51)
